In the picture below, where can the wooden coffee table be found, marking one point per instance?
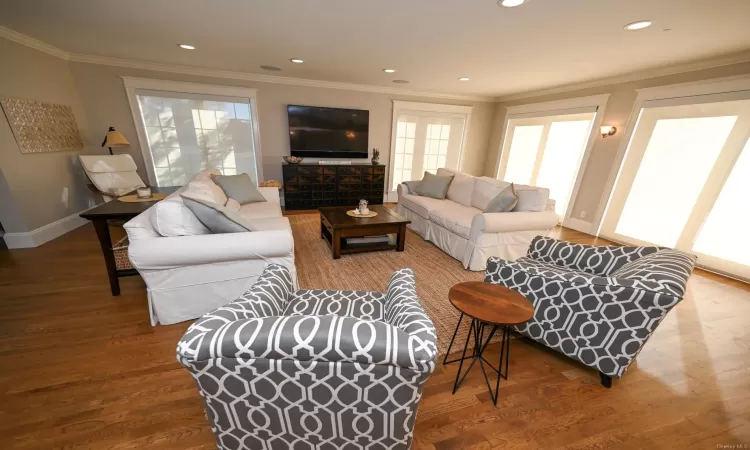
(489, 306)
(336, 226)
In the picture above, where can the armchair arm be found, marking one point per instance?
(308, 338)
(513, 221)
(403, 310)
(170, 252)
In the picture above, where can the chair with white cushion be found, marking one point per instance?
(113, 175)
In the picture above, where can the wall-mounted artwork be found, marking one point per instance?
(41, 127)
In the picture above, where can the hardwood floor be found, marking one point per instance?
(81, 369)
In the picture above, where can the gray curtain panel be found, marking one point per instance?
(597, 305)
(282, 369)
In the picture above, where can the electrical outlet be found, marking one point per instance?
(64, 197)
(583, 214)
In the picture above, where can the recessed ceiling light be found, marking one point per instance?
(401, 81)
(187, 47)
(296, 61)
(389, 70)
(511, 3)
(271, 68)
(463, 79)
(638, 25)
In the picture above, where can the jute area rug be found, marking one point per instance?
(435, 273)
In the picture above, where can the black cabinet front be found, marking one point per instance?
(312, 186)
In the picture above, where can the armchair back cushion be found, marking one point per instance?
(596, 260)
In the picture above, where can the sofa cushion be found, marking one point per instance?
(454, 217)
(485, 189)
(314, 302)
(434, 186)
(260, 210)
(461, 188)
(207, 190)
(420, 205)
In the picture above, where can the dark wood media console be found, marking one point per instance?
(310, 186)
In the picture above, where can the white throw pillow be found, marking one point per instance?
(485, 189)
(461, 188)
(531, 198)
(206, 189)
(172, 218)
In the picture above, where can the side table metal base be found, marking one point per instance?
(477, 330)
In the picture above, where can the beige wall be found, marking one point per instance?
(38, 189)
(602, 160)
(104, 99)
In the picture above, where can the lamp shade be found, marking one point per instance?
(116, 139)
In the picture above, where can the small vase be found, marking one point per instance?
(375, 161)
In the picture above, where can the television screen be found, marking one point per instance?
(328, 132)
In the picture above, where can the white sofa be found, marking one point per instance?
(189, 271)
(459, 226)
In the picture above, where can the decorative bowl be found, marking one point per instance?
(293, 159)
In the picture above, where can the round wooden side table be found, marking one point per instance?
(489, 306)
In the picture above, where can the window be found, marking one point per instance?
(183, 133)
(547, 151)
(684, 182)
(426, 137)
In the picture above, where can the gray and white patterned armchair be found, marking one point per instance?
(282, 369)
(596, 304)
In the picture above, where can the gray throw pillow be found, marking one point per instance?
(505, 201)
(218, 219)
(433, 186)
(239, 187)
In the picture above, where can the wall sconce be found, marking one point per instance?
(114, 139)
(608, 130)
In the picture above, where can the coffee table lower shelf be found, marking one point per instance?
(345, 248)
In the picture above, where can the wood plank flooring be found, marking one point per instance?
(80, 369)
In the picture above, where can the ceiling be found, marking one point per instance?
(540, 44)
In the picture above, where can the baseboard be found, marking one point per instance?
(579, 225)
(37, 237)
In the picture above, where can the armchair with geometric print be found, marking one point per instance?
(596, 304)
(282, 369)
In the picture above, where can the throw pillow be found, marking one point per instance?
(207, 190)
(217, 218)
(172, 218)
(505, 201)
(434, 186)
(531, 198)
(239, 187)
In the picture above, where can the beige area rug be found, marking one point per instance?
(435, 272)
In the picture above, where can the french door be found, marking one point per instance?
(547, 151)
(685, 181)
(424, 141)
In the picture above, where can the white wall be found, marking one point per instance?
(105, 103)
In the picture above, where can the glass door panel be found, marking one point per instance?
(523, 151)
(566, 143)
(678, 159)
(724, 233)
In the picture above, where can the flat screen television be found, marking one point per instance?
(328, 132)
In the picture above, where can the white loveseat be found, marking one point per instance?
(459, 226)
(190, 272)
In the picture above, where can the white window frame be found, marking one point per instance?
(560, 107)
(134, 83)
(402, 107)
(675, 94)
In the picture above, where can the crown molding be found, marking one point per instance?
(36, 44)
(213, 73)
(735, 58)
